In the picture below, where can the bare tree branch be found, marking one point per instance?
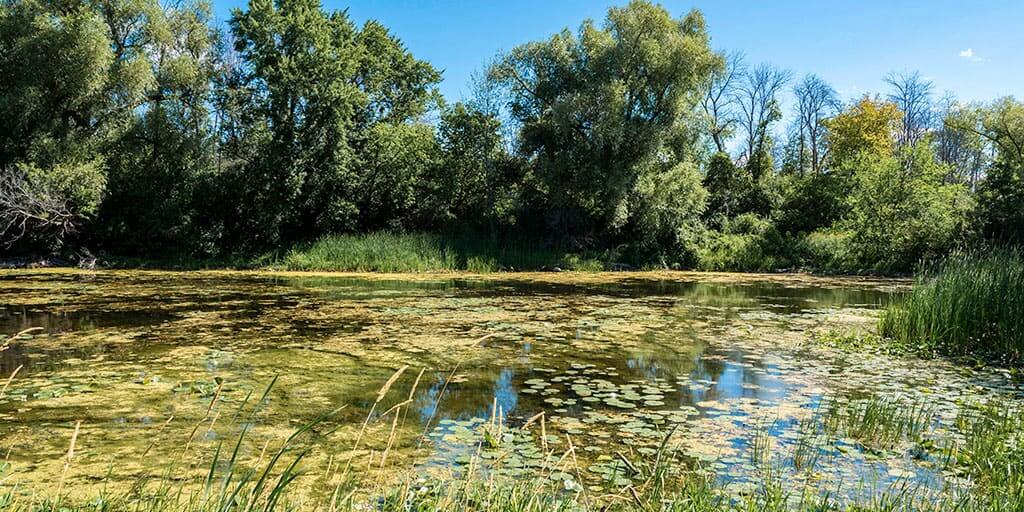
(755, 94)
(913, 95)
(719, 100)
(816, 102)
(29, 210)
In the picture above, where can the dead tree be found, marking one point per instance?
(816, 101)
(719, 101)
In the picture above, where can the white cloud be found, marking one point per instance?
(969, 55)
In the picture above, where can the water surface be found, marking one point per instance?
(614, 360)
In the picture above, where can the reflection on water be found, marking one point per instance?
(615, 361)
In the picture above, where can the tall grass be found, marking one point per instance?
(972, 303)
(423, 252)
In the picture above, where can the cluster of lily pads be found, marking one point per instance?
(589, 386)
(586, 406)
(53, 387)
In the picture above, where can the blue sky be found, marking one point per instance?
(972, 48)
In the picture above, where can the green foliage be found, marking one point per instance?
(333, 99)
(812, 201)
(56, 117)
(746, 243)
(51, 112)
(727, 187)
(900, 209)
(144, 129)
(1002, 192)
(1001, 198)
(828, 250)
(667, 206)
(398, 159)
(162, 161)
(600, 107)
(466, 184)
(972, 303)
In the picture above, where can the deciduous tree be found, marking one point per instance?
(597, 107)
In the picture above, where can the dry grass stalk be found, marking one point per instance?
(362, 430)
(67, 461)
(7, 343)
(9, 379)
(387, 385)
(213, 402)
(156, 438)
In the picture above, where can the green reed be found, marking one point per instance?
(374, 252)
(970, 304)
(991, 452)
(878, 422)
(422, 252)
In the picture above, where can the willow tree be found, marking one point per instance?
(159, 165)
(64, 95)
(599, 108)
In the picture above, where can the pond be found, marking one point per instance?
(159, 367)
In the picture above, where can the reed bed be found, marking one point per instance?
(991, 452)
(421, 252)
(970, 304)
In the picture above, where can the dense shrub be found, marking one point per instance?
(828, 250)
(745, 243)
(901, 211)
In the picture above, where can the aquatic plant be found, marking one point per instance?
(811, 437)
(419, 252)
(878, 422)
(855, 340)
(990, 451)
(971, 303)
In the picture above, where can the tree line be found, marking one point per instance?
(144, 128)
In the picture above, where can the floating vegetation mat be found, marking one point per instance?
(506, 374)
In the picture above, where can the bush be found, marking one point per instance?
(747, 243)
(748, 224)
(901, 211)
(828, 250)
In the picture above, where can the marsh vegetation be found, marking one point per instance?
(444, 371)
(969, 304)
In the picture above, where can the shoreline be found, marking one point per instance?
(563, 277)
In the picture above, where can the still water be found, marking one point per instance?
(157, 365)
